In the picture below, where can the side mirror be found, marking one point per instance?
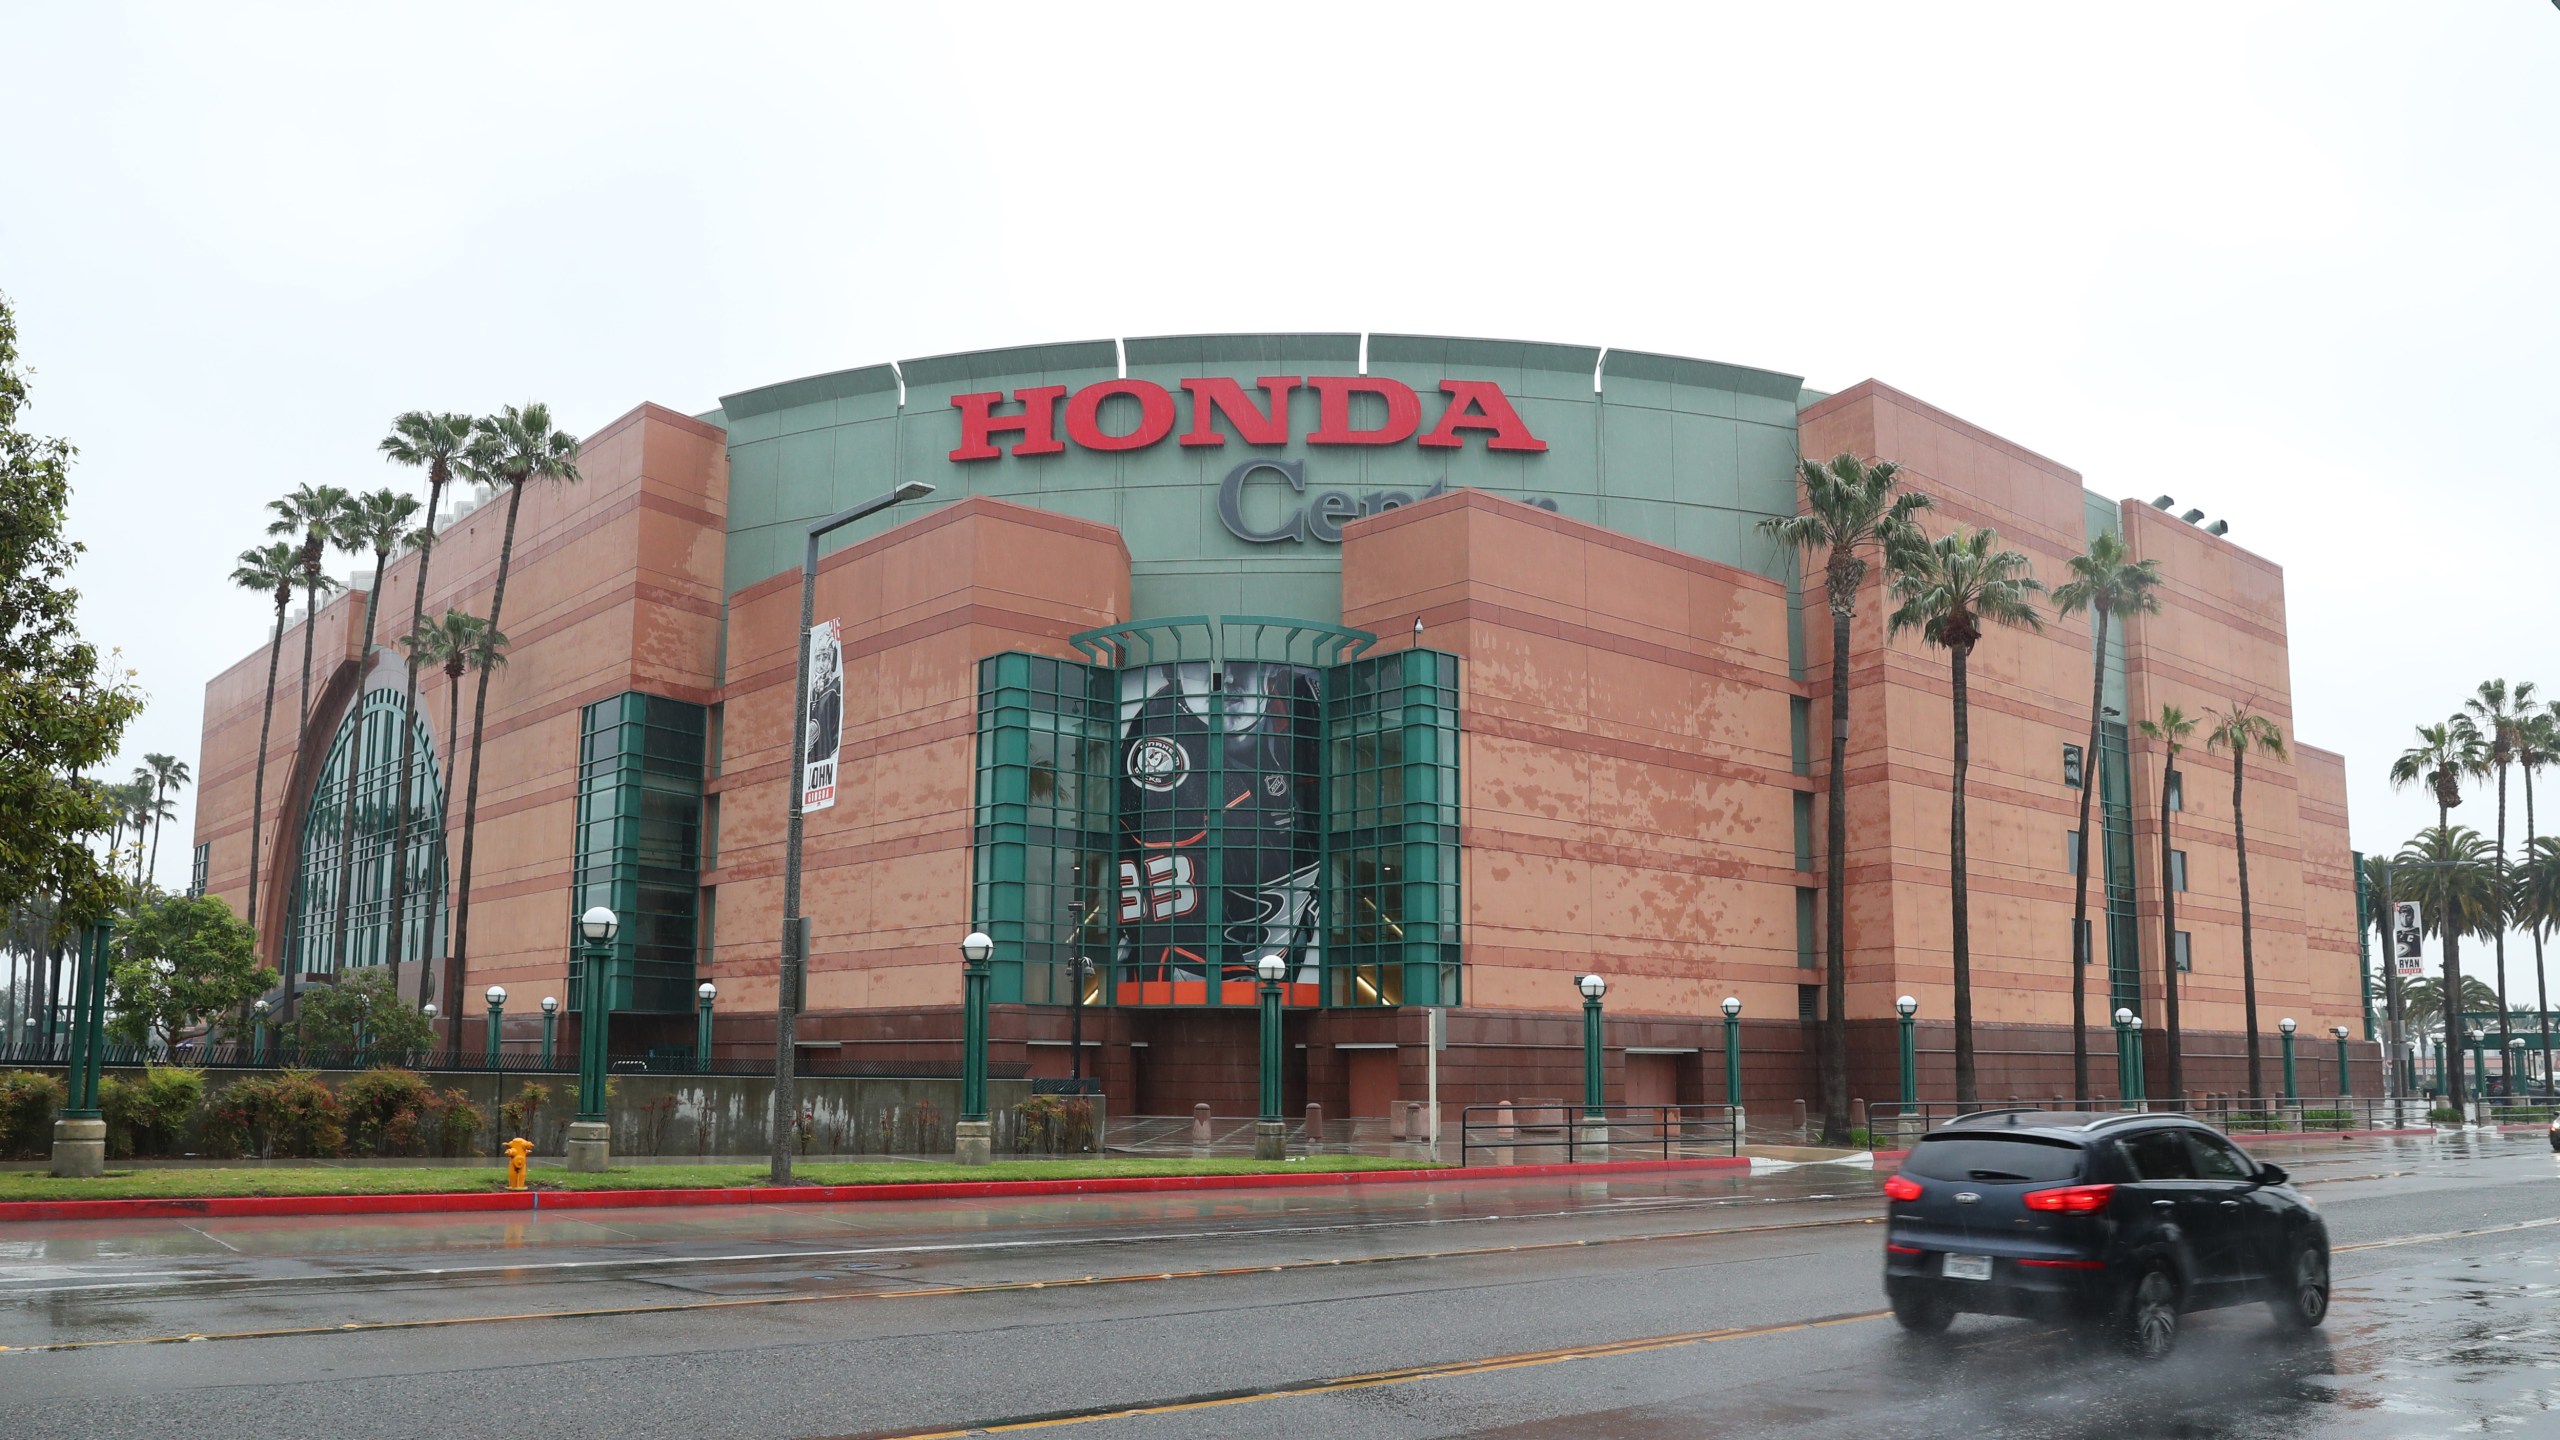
(2270, 1173)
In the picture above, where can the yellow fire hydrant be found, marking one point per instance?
(517, 1150)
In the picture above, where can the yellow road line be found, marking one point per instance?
(936, 1291)
(1407, 1376)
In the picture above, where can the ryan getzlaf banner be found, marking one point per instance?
(2405, 937)
(826, 716)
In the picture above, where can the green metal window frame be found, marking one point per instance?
(639, 846)
(368, 743)
(2115, 801)
(1047, 869)
(200, 871)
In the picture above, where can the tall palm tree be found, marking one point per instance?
(2379, 880)
(313, 511)
(435, 442)
(271, 570)
(454, 642)
(1850, 509)
(2533, 901)
(151, 809)
(168, 773)
(2443, 755)
(2241, 730)
(2538, 745)
(2104, 580)
(2465, 901)
(2497, 712)
(520, 448)
(2172, 730)
(378, 522)
(1950, 589)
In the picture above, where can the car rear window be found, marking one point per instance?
(1996, 1160)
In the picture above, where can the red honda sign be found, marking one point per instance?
(1472, 405)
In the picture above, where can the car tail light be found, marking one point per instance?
(1901, 1187)
(2072, 1199)
(2066, 1264)
(1902, 1249)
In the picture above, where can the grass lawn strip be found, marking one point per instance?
(323, 1180)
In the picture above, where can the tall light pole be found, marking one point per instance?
(258, 1033)
(2141, 1086)
(795, 937)
(591, 1134)
(2515, 1064)
(2124, 1054)
(1733, 1051)
(1595, 1127)
(2479, 1066)
(80, 1128)
(1907, 1008)
(974, 1139)
(497, 998)
(706, 992)
(550, 1029)
(1270, 1132)
(2285, 1027)
(1075, 1029)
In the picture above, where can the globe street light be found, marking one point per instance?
(497, 998)
(550, 1028)
(706, 992)
(591, 1134)
(974, 1138)
(258, 1033)
(1593, 1091)
(1733, 1052)
(2124, 1055)
(2515, 1062)
(2479, 1066)
(1270, 1133)
(2285, 1027)
(2141, 1097)
(793, 976)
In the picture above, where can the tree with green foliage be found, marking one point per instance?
(1951, 589)
(167, 773)
(456, 643)
(2463, 901)
(63, 708)
(2443, 755)
(2498, 714)
(436, 443)
(2242, 731)
(2105, 580)
(180, 960)
(314, 512)
(2171, 731)
(363, 1011)
(269, 570)
(1851, 508)
(519, 448)
(2537, 748)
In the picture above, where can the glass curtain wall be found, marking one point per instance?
(358, 770)
(640, 770)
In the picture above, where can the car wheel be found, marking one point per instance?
(2305, 1301)
(2151, 1315)
(1922, 1316)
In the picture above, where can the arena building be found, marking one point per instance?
(1446, 669)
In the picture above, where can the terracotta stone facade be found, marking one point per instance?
(1641, 776)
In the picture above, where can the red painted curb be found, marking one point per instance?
(535, 1200)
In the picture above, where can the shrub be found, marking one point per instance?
(1053, 1125)
(289, 1115)
(2445, 1115)
(519, 1116)
(459, 1124)
(148, 1116)
(28, 1099)
(389, 1111)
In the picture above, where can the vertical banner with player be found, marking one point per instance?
(2406, 932)
(826, 716)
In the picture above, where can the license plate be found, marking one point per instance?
(1967, 1267)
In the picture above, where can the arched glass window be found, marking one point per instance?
(343, 883)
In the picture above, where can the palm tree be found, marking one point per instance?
(2241, 730)
(1850, 508)
(1950, 589)
(270, 569)
(517, 447)
(376, 522)
(437, 442)
(2173, 730)
(2443, 755)
(151, 808)
(168, 773)
(2423, 1005)
(2533, 901)
(2103, 581)
(454, 642)
(2538, 745)
(2497, 712)
(2379, 880)
(2466, 902)
(314, 511)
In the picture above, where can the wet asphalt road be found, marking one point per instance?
(1681, 1306)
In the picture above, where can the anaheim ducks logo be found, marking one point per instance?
(1157, 763)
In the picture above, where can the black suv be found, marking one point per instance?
(2120, 1221)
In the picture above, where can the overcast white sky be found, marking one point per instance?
(2291, 263)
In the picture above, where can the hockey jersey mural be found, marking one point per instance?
(1218, 838)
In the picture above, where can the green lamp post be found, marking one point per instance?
(2139, 1095)
(706, 992)
(591, 1134)
(496, 995)
(80, 1129)
(1270, 1132)
(2124, 1057)
(550, 1029)
(2285, 1027)
(974, 1138)
(1733, 1051)
(2479, 1067)
(1909, 1009)
(258, 1033)
(1594, 1091)
(2515, 1066)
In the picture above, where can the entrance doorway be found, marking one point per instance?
(1372, 1075)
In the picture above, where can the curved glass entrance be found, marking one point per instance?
(355, 878)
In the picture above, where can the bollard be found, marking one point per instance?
(1503, 1133)
(1395, 1119)
(1416, 1128)
(517, 1150)
(1800, 1121)
(1199, 1124)
(1315, 1124)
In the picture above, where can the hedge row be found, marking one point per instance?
(290, 1115)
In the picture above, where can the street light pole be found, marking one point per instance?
(1270, 1132)
(974, 1140)
(591, 1134)
(706, 992)
(258, 1033)
(795, 959)
(2479, 1067)
(2286, 1027)
(550, 1029)
(1908, 1008)
(80, 1130)
(2124, 1053)
(2141, 1087)
(1733, 1054)
(1075, 1028)
(1595, 1129)
(497, 998)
